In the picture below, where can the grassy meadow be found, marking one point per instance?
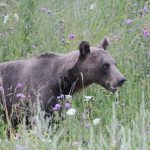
(31, 27)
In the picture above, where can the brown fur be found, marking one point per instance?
(52, 75)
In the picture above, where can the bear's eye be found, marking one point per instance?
(105, 66)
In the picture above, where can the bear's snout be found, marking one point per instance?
(121, 81)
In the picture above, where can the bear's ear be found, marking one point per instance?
(104, 43)
(84, 49)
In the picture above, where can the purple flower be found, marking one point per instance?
(148, 54)
(72, 36)
(145, 9)
(57, 107)
(129, 21)
(61, 97)
(67, 105)
(21, 147)
(20, 95)
(1, 88)
(146, 33)
(19, 85)
(87, 125)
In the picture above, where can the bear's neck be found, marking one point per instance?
(72, 84)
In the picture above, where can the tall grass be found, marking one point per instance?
(35, 27)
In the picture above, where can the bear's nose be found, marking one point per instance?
(121, 81)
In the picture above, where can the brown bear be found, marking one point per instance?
(51, 75)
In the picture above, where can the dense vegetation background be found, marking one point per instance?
(30, 27)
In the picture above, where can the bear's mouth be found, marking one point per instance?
(112, 89)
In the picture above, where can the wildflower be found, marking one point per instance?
(96, 121)
(88, 98)
(49, 13)
(19, 85)
(129, 21)
(71, 36)
(84, 115)
(77, 143)
(148, 54)
(33, 46)
(145, 9)
(135, 4)
(63, 40)
(146, 33)
(71, 112)
(68, 97)
(2, 35)
(1, 88)
(67, 105)
(21, 147)
(46, 141)
(87, 125)
(6, 18)
(20, 95)
(93, 6)
(43, 9)
(57, 107)
(61, 97)
(16, 17)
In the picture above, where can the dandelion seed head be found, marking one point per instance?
(96, 121)
(71, 112)
(6, 18)
(93, 6)
(16, 16)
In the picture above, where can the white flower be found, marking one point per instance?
(16, 17)
(46, 141)
(96, 121)
(93, 6)
(68, 97)
(88, 98)
(71, 112)
(6, 18)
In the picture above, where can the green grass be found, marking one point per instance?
(125, 117)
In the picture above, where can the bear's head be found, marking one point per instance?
(96, 65)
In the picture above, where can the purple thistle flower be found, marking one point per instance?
(57, 107)
(20, 95)
(21, 147)
(148, 54)
(146, 33)
(67, 105)
(19, 85)
(72, 36)
(61, 97)
(87, 125)
(129, 21)
(1, 88)
(145, 9)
